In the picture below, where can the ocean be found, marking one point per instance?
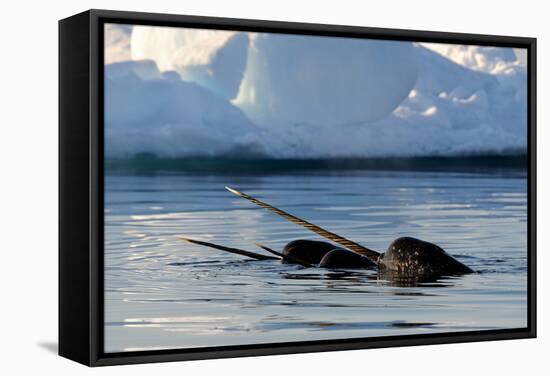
(163, 293)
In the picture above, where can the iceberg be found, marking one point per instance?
(144, 69)
(448, 110)
(454, 110)
(166, 116)
(324, 81)
(479, 58)
(218, 93)
(117, 43)
(213, 59)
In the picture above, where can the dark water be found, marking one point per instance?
(163, 293)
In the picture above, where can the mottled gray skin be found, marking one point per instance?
(309, 251)
(410, 257)
(342, 258)
(407, 259)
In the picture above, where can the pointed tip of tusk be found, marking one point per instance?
(259, 245)
(265, 248)
(234, 191)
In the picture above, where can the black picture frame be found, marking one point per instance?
(81, 187)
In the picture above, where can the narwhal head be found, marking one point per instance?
(410, 256)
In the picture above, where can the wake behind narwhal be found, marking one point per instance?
(405, 258)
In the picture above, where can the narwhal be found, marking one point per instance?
(405, 258)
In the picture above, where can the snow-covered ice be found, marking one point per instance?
(188, 92)
(214, 59)
(167, 116)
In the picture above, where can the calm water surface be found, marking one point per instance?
(162, 293)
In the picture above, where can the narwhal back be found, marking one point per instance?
(310, 251)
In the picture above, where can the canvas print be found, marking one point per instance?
(272, 188)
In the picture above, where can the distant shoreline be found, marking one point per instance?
(477, 163)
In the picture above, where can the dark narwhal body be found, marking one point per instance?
(414, 257)
(324, 254)
(405, 258)
(344, 259)
(309, 251)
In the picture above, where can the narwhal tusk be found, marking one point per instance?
(237, 251)
(288, 258)
(351, 245)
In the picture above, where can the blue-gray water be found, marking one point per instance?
(162, 293)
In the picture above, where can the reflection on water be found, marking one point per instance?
(164, 293)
